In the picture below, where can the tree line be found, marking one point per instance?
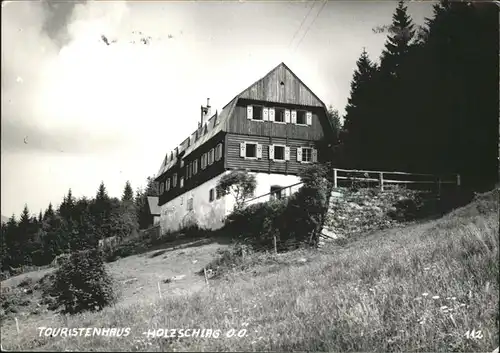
(430, 103)
(77, 224)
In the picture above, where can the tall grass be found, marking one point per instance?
(419, 288)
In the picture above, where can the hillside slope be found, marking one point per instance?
(421, 287)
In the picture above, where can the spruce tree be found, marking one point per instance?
(128, 193)
(399, 41)
(359, 114)
(393, 100)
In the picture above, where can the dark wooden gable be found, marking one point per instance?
(281, 85)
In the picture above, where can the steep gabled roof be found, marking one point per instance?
(269, 86)
(218, 123)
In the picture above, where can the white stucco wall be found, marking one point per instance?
(265, 181)
(156, 220)
(211, 215)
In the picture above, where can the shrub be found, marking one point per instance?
(82, 283)
(257, 224)
(238, 183)
(294, 221)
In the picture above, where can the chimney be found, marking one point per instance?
(205, 113)
(209, 110)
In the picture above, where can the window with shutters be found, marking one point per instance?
(174, 180)
(257, 112)
(188, 171)
(279, 115)
(203, 161)
(167, 186)
(181, 183)
(251, 150)
(211, 195)
(301, 117)
(279, 153)
(306, 154)
(162, 188)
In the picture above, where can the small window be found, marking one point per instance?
(202, 161)
(174, 180)
(211, 194)
(279, 115)
(279, 153)
(181, 183)
(195, 166)
(182, 163)
(218, 194)
(301, 117)
(162, 189)
(167, 186)
(306, 154)
(257, 113)
(276, 192)
(190, 204)
(251, 150)
(211, 156)
(218, 152)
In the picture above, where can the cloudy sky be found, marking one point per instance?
(76, 111)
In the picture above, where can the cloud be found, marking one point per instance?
(84, 87)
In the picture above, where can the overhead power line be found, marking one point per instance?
(302, 23)
(310, 25)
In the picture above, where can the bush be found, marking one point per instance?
(257, 224)
(294, 221)
(82, 283)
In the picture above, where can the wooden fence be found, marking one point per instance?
(345, 177)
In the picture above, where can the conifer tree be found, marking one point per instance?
(359, 113)
(128, 193)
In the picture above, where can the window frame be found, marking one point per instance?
(218, 152)
(211, 155)
(301, 112)
(311, 154)
(246, 150)
(276, 110)
(211, 195)
(261, 107)
(274, 153)
(195, 166)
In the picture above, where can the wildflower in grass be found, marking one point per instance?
(435, 297)
(425, 294)
(453, 298)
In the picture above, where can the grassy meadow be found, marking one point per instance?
(415, 288)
